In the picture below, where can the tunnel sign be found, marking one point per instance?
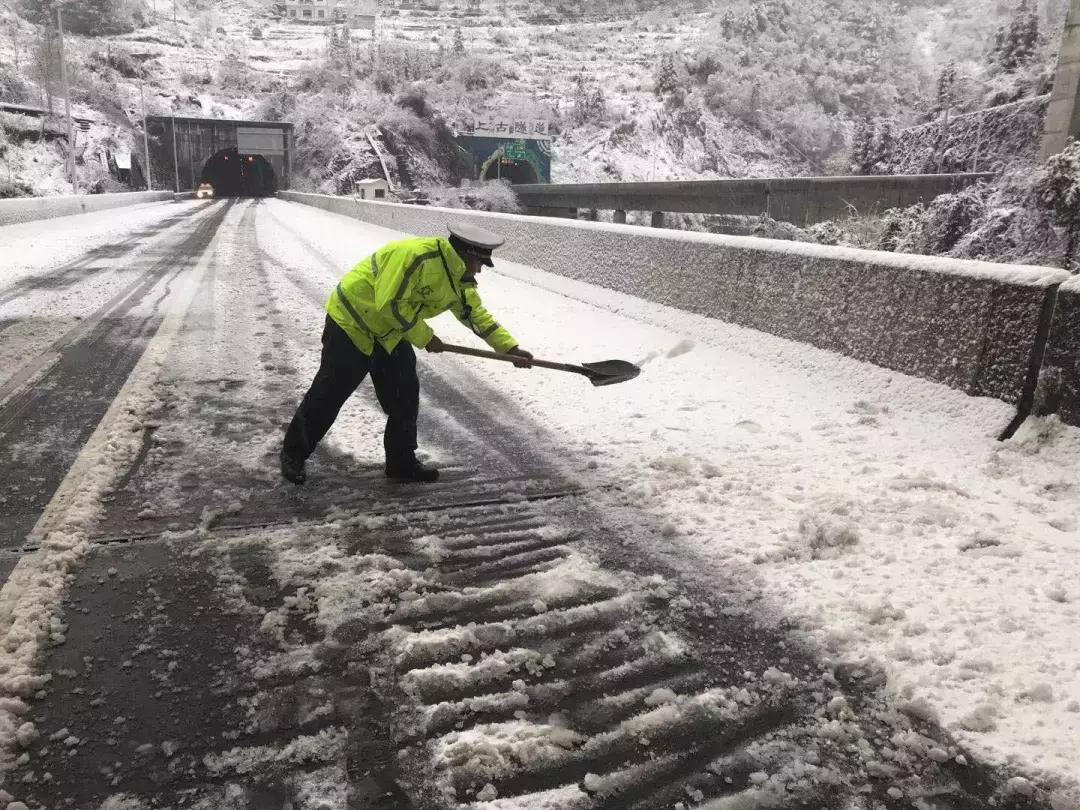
(533, 129)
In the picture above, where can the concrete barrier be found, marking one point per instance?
(26, 209)
(1062, 360)
(799, 200)
(977, 327)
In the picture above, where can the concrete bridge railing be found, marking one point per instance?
(26, 209)
(799, 200)
(988, 330)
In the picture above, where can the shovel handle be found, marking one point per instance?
(513, 358)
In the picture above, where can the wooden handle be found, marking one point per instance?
(513, 358)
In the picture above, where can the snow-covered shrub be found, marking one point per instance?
(90, 17)
(14, 188)
(899, 225)
(479, 72)
(116, 59)
(490, 195)
(827, 233)
(948, 218)
(1057, 187)
(14, 88)
(403, 126)
(383, 82)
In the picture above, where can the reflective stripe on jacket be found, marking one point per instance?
(391, 294)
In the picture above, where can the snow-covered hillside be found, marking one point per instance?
(776, 97)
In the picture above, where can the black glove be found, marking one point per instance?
(435, 346)
(525, 356)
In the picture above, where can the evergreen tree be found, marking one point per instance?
(762, 18)
(862, 147)
(945, 88)
(750, 25)
(666, 79)
(727, 24)
(884, 148)
(597, 106)
(1020, 40)
(459, 42)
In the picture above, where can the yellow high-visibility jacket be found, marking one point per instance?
(389, 296)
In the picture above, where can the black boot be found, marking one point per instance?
(410, 469)
(292, 470)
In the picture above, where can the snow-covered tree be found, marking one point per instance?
(89, 17)
(666, 78)
(862, 147)
(884, 147)
(946, 87)
(728, 24)
(1019, 42)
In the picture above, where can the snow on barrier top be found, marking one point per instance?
(26, 209)
(978, 327)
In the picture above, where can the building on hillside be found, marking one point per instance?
(358, 13)
(372, 189)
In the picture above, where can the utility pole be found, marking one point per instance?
(67, 103)
(1063, 114)
(145, 135)
(15, 39)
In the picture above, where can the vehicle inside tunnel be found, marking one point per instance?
(516, 171)
(235, 174)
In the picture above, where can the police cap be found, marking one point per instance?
(474, 241)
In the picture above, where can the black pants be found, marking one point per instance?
(342, 369)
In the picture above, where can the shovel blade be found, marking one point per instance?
(610, 372)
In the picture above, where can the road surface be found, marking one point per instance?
(208, 636)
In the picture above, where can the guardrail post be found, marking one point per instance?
(658, 219)
(620, 217)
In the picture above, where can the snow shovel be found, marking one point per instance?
(607, 372)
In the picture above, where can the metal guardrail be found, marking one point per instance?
(799, 200)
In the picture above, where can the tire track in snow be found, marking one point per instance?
(44, 426)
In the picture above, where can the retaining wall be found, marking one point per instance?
(25, 209)
(1063, 353)
(974, 326)
(985, 140)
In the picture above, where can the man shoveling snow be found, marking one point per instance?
(375, 317)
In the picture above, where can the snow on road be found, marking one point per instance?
(56, 273)
(877, 508)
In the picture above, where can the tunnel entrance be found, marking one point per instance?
(516, 171)
(235, 174)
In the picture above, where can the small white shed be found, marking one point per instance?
(372, 189)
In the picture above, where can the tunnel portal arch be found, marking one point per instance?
(515, 171)
(182, 148)
(235, 174)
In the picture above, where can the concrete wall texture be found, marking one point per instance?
(1063, 115)
(1063, 352)
(799, 200)
(25, 209)
(977, 327)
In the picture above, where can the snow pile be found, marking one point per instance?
(326, 746)
(498, 750)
